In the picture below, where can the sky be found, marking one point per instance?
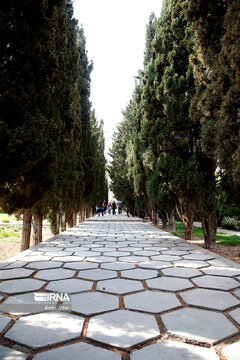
(115, 41)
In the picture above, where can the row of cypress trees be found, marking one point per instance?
(52, 146)
(178, 146)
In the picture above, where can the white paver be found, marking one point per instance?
(54, 274)
(80, 265)
(237, 293)
(20, 286)
(119, 286)
(151, 301)
(122, 328)
(15, 273)
(166, 258)
(10, 354)
(231, 352)
(220, 271)
(235, 315)
(15, 264)
(72, 258)
(69, 285)
(40, 265)
(198, 257)
(195, 264)
(139, 274)
(87, 351)
(210, 299)
(93, 303)
(199, 325)
(101, 259)
(150, 264)
(4, 322)
(216, 282)
(45, 329)
(118, 266)
(181, 272)
(169, 284)
(133, 259)
(97, 274)
(173, 350)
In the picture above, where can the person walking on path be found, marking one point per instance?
(120, 207)
(114, 206)
(109, 208)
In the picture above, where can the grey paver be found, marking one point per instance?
(80, 265)
(171, 350)
(87, 253)
(191, 263)
(30, 257)
(122, 328)
(40, 265)
(15, 273)
(54, 274)
(181, 272)
(216, 282)
(151, 301)
(169, 284)
(235, 315)
(10, 354)
(15, 264)
(231, 352)
(210, 299)
(166, 257)
(199, 325)
(97, 274)
(87, 351)
(20, 286)
(45, 329)
(4, 322)
(93, 303)
(118, 266)
(69, 285)
(133, 259)
(221, 271)
(145, 253)
(139, 274)
(198, 256)
(72, 258)
(101, 259)
(237, 293)
(116, 253)
(119, 286)
(150, 264)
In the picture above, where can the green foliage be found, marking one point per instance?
(9, 233)
(230, 223)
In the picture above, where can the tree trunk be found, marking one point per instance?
(63, 222)
(209, 225)
(187, 218)
(56, 223)
(37, 227)
(89, 212)
(74, 219)
(154, 217)
(171, 220)
(164, 221)
(26, 229)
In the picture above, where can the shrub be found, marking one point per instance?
(231, 223)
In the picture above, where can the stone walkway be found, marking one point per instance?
(136, 293)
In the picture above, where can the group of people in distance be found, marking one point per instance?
(108, 208)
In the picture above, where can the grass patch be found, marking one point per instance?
(5, 218)
(221, 238)
(10, 233)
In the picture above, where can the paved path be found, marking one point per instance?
(220, 229)
(136, 293)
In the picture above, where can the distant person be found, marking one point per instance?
(114, 206)
(120, 207)
(109, 208)
(104, 206)
(100, 210)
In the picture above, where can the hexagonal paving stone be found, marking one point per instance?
(93, 303)
(181, 272)
(216, 282)
(145, 253)
(199, 325)
(139, 274)
(69, 285)
(4, 322)
(15, 273)
(97, 274)
(72, 258)
(190, 263)
(118, 266)
(54, 274)
(231, 352)
(169, 350)
(87, 253)
(133, 259)
(210, 299)
(174, 252)
(20, 286)
(101, 259)
(235, 315)
(87, 351)
(119, 286)
(15, 264)
(10, 354)
(24, 304)
(169, 284)
(198, 257)
(29, 258)
(237, 293)
(122, 328)
(45, 329)
(216, 262)
(150, 264)
(151, 301)
(166, 258)
(221, 271)
(40, 265)
(80, 265)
